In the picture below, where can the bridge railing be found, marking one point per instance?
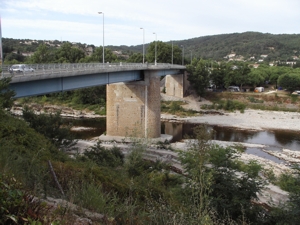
(67, 69)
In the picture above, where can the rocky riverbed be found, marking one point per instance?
(250, 119)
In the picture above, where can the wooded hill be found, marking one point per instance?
(281, 47)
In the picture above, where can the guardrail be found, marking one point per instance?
(67, 69)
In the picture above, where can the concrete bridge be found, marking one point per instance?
(133, 90)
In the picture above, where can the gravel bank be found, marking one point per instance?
(250, 119)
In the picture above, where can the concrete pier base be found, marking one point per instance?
(162, 138)
(133, 109)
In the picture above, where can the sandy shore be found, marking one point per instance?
(250, 119)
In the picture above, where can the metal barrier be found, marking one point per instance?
(67, 69)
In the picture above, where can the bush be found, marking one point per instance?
(105, 157)
(228, 105)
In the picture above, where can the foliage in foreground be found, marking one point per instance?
(213, 188)
(52, 127)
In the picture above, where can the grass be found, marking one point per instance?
(228, 105)
(175, 107)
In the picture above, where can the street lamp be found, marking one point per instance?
(103, 36)
(155, 45)
(172, 52)
(143, 44)
(182, 53)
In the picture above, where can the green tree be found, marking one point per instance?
(290, 81)
(163, 53)
(68, 54)
(242, 73)
(215, 184)
(52, 127)
(198, 75)
(93, 95)
(217, 75)
(276, 71)
(135, 58)
(97, 55)
(257, 77)
(41, 55)
(6, 94)
(237, 74)
(13, 58)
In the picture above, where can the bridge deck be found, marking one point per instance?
(48, 78)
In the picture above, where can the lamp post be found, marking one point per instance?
(182, 54)
(155, 46)
(143, 44)
(103, 37)
(172, 52)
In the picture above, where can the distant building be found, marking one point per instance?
(27, 53)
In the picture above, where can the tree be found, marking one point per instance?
(97, 55)
(6, 94)
(257, 77)
(198, 75)
(52, 127)
(68, 54)
(290, 81)
(276, 72)
(216, 184)
(135, 58)
(163, 53)
(93, 95)
(42, 55)
(237, 74)
(217, 75)
(242, 73)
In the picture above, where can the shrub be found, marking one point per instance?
(105, 157)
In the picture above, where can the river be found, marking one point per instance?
(274, 139)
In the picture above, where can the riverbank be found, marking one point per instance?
(250, 119)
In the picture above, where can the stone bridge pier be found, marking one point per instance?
(133, 108)
(177, 85)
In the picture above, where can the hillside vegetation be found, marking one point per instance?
(282, 47)
(248, 44)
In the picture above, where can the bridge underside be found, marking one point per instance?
(29, 87)
(133, 96)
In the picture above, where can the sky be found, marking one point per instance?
(80, 21)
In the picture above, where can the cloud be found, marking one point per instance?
(171, 20)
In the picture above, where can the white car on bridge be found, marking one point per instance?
(20, 68)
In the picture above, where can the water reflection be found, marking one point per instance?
(275, 138)
(260, 153)
(98, 127)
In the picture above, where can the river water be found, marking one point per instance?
(275, 140)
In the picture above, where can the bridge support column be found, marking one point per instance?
(133, 108)
(176, 85)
